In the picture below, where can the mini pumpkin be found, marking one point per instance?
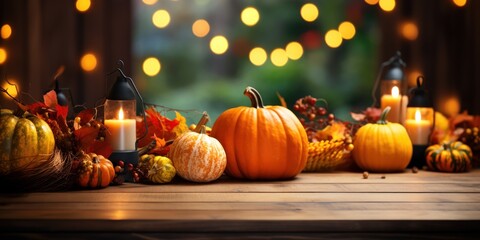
(198, 157)
(159, 169)
(382, 146)
(449, 157)
(261, 142)
(24, 140)
(95, 171)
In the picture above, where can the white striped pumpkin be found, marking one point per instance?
(198, 157)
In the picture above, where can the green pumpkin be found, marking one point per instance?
(23, 140)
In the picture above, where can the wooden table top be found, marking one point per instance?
(313, 205)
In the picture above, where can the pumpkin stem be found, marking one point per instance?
(383, 116)
(254, 96)
(446, 145)
(202, 122)
(203, 129)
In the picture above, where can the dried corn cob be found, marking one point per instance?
(327, 154)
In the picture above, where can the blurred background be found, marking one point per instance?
(199, 55)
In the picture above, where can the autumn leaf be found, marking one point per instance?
(182, 124)
(336, 130)
(282, 100)
(85, 136)
(50, 99)
(101, 148)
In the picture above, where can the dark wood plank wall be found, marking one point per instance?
(51, 33)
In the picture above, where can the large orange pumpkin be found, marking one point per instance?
(261, 142)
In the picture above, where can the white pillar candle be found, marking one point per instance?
(122, 133)
(398, 105)
(418, 129)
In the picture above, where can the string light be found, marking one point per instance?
(279, 57)
(200, 28)
(250, 16)
(387, 5)
(150, 2)
(151, 66)
(83, 5)
(88, 62)
(3, 55)
(258, 56)
(219, 45)
(294, 50)
(459, 3)
(409, 31)
(333, 38)
(161, 18)
(371, 2)
(347, 30)
(6, 31)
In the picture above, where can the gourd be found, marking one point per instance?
(261, 142)
(449, 157)
(382, 146)
(198, 157)
(25, 142)
(158, 169)
(95, 171)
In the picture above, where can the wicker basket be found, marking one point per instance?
(327, 155)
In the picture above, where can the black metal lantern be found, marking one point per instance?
(392, 88)
(420, 122)
(120, 119)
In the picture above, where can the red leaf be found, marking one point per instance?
(62, 123)
(50, 99)
(62, 111)
(34, 108)
(86, 115)
(85, 136)
(101, 148)
(357, 116)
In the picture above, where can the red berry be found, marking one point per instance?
(331, 116)
(312, 101)
(296, 107)
(322, 111)
(121, 163)
(130, 167)
(311, 116)
(118, 169)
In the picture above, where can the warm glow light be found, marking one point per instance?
(10, 88)
(3, 55)
(409, 31)
(460, 3)
(120, 114)
(258, 56)
(395, 91)
(450, 106)
(250, 16)
(6, 31)
(333, 38)
(150, 2)
(88, 62)
(83, 5)
(412, 78)
(309, 12)
(294, 50)
(161, 18)
(418, 116)
(151, 66)
(219, 44)
(347, 29)
(200, 28)
(279, 57)
(387, 5)
(371, 2)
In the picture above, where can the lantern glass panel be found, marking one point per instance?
(120, 119)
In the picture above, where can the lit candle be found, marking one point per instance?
(122, 133)
(398, 105)
(418, 129)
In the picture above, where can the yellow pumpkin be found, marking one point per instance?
(382, 146)
(449, 157)
(198, 157)
(261, 142)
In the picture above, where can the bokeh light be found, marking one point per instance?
(333, 38)
(258, 56)
(450, 105)
(10, 87)
(151, 66)
(88, 62)
(294, 50)
(200, 28)
(219, 44)
(3, 55)
(387, 5)
(279, 57)
(6, 31)
(371, 2)
(409, 31)
(161, 18)
(460, 3)
(347, 29)
(150, 2)
(250, 16)
(309, 12)
(83, 5)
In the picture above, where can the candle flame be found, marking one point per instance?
(418, 116)
(120, 114)
(395, 91)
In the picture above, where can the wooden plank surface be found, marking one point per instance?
(313, 203)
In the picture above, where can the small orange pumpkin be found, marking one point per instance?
(261, 142)
(198, 157)
(95, 171)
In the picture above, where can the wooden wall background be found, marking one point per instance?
(48, 34)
